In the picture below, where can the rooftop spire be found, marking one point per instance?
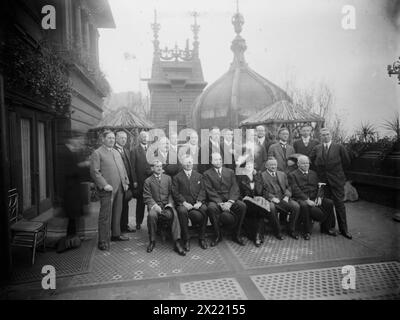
(195, 29)
(156, 28)
(238, 44)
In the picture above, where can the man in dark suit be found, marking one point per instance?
(228, 149)
(120, 142)
(213, 144)
(157, 194)
(305, 144)
(282, 150)
(141, 170)
(224, 205)
(108, 173)
(309, 195)
(189, 196)
(330, 160)
(276, 189)
(168, 156)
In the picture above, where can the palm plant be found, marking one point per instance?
(393, 125)
(367, 132)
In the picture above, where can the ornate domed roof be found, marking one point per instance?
(238, 94)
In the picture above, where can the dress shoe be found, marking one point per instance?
(151, 246)
(331, 232)
(239, 240)
(138, 227)
(279, 237)
(129, 229)
(103, 246)
(203, 244)
(217, 240)
(346, 234)
(258, 240)
(186, 245)
(178, 248)
(120, 238)
(294, 235)
(307, 236)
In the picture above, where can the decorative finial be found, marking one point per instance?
(195, 29)
(238, 44)
(156, 28)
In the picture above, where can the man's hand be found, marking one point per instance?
(318, 201)
(126, 187)
(310, 203)
(275, 200)
(228, 205)
(108, 188)
(157, 208)
(197, 205)
(286, 199)
(223, 206)
(187, 205)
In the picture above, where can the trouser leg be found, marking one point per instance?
(139, 210)
(124, 213)
(273, 219)
(116, 212)
(305, 216)
(171, 216)
(152, 219)
(337, 195)
(238, 209)
(199, 219)
(183, 221)
(105, 213)
(329, 215)
(213, 212)
(291, 207)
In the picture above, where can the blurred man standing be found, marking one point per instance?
(108, 172)
(120, 142)
(141, 170)
(330, 160)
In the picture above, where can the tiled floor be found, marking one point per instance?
(286, 269)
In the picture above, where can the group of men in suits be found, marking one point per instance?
(188, 189)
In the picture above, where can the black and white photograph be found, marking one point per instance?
(199, 151)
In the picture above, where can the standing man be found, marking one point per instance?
(281, 150)
(108, 172)
(189, 196)
(168, 157)
(157, 194)
(313, 204)
(213, 145)
(262, 139)
(141, 170)
(224, 205)
(228, 149)
(330, 160)
(305, 144)
(276, 189)
(120, 142)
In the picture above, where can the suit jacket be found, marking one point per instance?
(157, 192)
(126, 158)
(245, 188)
(281, 156)
(304, 186)
(266, 144)
(190, 191)
(107, 167)
(268, 189)
(221, 189)
(300, 147)
(207, 145)
(260, 156)
(171, 164)
(141, 169)
(330, 168)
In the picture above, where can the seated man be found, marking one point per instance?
(258, 208)
(157, 195)
(223, 194)
(276, 189)
(189, 196)
(306, 190)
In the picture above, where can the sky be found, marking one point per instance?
(300, 41)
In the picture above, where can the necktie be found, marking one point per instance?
(273, 174)
(219, 173)
(188, 175)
